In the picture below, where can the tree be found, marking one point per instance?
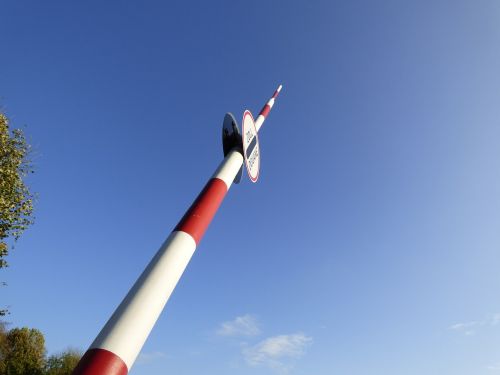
(3, 346)
(25, 352)
(16, 200)
(64, 363)
(22, 352)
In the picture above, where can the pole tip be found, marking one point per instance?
(279, 88)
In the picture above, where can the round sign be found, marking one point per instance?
(251, 151)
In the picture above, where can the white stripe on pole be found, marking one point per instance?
(128, 328)
(259, 121)
(227, 171)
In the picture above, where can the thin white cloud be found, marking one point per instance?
(246, 325)
(464, 326)
(277, 352)
(470, 328)
(495, 367)
(495, 320)
(145, 358)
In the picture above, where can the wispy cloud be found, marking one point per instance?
(246, 325)
(495, 319)
(145, 358)
(470, 328)
(277, 352)
(495, 367)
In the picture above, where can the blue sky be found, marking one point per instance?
(376, 217)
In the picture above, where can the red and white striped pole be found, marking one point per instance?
(266, 109)
(118, 344)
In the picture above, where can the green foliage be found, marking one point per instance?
(16, 201)
(62, 364)
(24, 352)
(3, 346)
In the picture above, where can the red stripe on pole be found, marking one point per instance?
(265, 110)
(100, 362)
(196, 220)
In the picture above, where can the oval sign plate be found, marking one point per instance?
(251, 151)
